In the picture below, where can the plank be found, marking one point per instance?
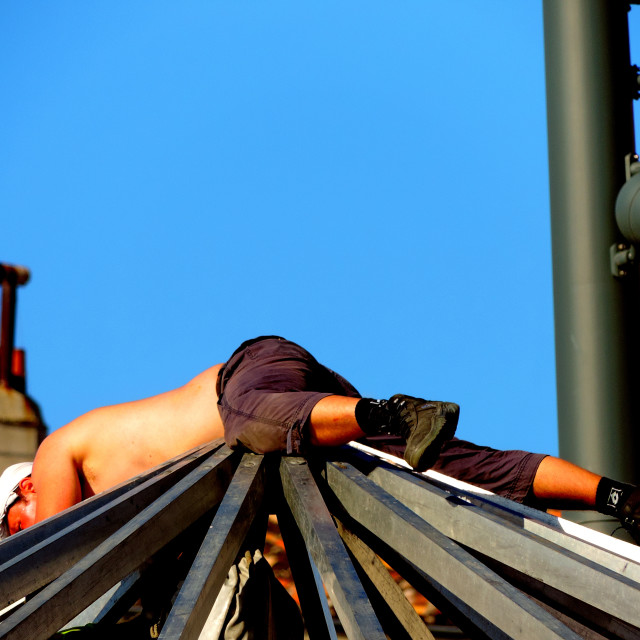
(124, 551)
(496, 607)
(100, 608)
(218, 551)
(386, 586)
(29, 538)
(584, 582)
(31, 567)
(611, 553)
(328, 552)
(313, 600)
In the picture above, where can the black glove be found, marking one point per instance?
(622, 501)
(629, 514)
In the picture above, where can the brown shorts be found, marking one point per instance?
(267, 390)
(269, 386)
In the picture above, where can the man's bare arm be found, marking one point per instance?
(55, 476)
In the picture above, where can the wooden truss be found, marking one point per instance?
(499, 570)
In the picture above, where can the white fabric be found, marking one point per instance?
(253, 605)
(9, 481)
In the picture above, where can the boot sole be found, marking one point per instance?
(443, 428)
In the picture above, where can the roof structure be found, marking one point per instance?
(170, 536)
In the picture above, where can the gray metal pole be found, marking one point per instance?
(590, 122)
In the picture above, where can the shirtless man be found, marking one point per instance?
(273, 395)
(108, 445)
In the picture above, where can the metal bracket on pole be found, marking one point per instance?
(631, 164)
(622, 255)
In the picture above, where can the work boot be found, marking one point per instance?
(425, 424)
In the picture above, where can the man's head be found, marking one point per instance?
(17, 499)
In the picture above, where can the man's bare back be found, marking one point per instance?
(108, 445)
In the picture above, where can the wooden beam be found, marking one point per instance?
(35, 566)
(386, 586)
(328, 551)
(497, 607)
(221, 545)
(313, 600)
(585, 589)
(29, 538)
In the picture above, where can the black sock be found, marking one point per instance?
(372, 416)
(611, 495)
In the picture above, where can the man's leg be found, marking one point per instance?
(508, 473)
(563, 485)
(333, 422)
(423, 425)
(275, 396)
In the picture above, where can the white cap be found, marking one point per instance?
(9, 481)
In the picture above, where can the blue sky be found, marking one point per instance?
(366, 178)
